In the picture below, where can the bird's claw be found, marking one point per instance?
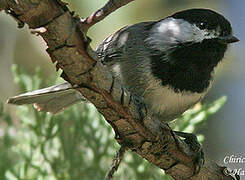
(195, 146)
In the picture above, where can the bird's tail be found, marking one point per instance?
(51, 99)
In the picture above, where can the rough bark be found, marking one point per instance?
(68, 47)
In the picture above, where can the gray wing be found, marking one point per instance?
(126, 54)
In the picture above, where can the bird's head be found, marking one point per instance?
(191, 26)
(205, 24)
(187, 46)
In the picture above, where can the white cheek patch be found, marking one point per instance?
(170, 28)
(163, 34)
(170, 32)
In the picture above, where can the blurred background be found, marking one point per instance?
(224, 132)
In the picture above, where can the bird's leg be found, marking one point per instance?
(141, 107)
(195, 146)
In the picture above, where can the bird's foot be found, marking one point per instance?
(195, 146)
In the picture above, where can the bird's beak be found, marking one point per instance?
(228, 39)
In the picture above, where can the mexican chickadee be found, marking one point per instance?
(170, 63)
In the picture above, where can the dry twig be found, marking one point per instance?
(116, 162)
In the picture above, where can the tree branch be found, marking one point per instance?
(100, 14)
(68, 47)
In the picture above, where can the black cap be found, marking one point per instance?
(205, 19)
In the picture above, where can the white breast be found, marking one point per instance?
(168, 104)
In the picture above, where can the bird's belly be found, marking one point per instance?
(168, 105)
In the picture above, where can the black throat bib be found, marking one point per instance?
(188, 67)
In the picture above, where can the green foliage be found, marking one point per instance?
(74, 144)
(197, 116)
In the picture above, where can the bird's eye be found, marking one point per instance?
(203, 25)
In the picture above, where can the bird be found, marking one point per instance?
(170, 63)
